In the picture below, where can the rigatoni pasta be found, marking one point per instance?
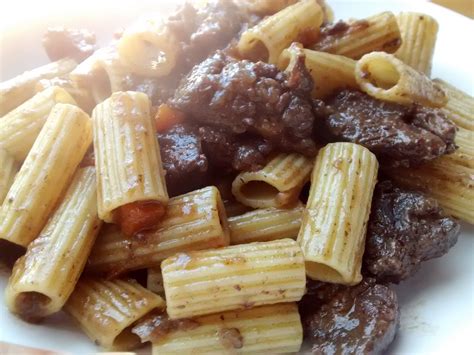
(7, 172)
(107, 310)
(386, 77)
(332, 234)
(231, 278)
(46, 275)
(45, 174)
(154, 281)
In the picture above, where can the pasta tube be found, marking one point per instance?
(273, 329)
(43, 279)
(235, 208)
(154, 281)
(265, 225)
(419, 32)
(332, 234)
(45, 174)
(107, 310)
(17, 90)
(329, 71)
(231, 278)
(270, 37)
(148, 48)
(460, 106)
(278, 184)
(130, 178)
(7, 172)
(386, 77)
(20, 127)
(376, 33)
(193, 221)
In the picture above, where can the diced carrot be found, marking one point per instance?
(139, 216)
(166, 117)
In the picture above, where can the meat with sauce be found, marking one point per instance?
(60, 42)
(240, 96)
(361, 319)
(398, 135)
(405, 228)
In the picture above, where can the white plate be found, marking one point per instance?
(437, 304)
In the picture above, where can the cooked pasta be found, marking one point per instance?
(231, 278)
(7, 173)
(375, 33)
(386, 77)
(235, 208)
(128, 160)
(193, 221)
(46, 275)
(154, 281)
(17, 90)
(107, 310)
(264, 225)
(419, 32)
(332, 234)
(270, 37)
(277, 184)
(45, 174)
(20, 127)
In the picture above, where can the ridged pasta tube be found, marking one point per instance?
(7, 172)
(154, 281)
(270, 37)
(332, 234)
(193, 221)
(419, 32)
(277, 184)
(329, 71)
(264, 225)
(45, 174)
(17, 90)
(107, 310)
(20, 127)
(375, 33)
(46, 275)
(231, 278)
(128, 160)
(273, 329)
(386, 77)
(148, 48)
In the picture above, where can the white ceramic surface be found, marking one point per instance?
(437, 304)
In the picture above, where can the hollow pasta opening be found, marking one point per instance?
(256, 50)
(259, 190)
(32, 306)
(381, 73)
(321, 272)
(126, 340)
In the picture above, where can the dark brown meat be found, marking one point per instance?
(159, 90)
(398, 135)
(60, 42)
(362, 319)
(241, 96)
(405, 229)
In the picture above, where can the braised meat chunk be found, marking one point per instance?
(337, 319)
(398, 135)
(405, 229)
(60, 42)
(241, 96)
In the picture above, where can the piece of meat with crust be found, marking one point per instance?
(405, 228)
(241, 96)
(398, 135)
(60, 42)
(361, 319)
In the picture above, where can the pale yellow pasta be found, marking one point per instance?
(375, 33)
(193, 221)
(107, 310)
(277, 184)
(8, 170)
(154, 281)
(235, 208)
(332, 234)
(273, 329)
(329, 71)
(46, 275)
(270, 37)
(419, 32)
(386, 77)
(236, 277)
(267, 224)
(20, 127)
(149, 48)
(127, 154)
(45, 174)
(17, 90)
(265, 7)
